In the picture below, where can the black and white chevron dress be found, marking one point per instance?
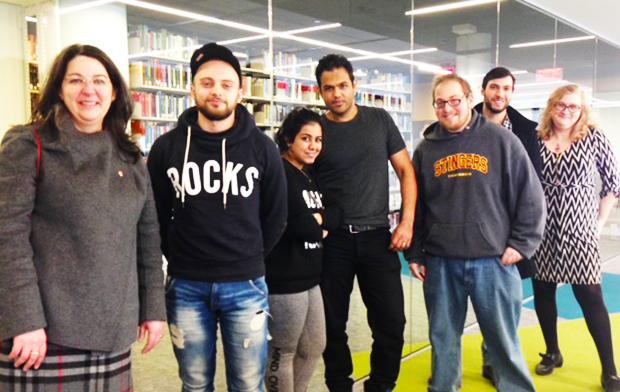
(569, 252)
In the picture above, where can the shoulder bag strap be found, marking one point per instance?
(39, 157)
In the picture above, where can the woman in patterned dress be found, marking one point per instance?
(574, 153)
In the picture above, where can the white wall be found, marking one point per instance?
(104, 27)
(12, 68)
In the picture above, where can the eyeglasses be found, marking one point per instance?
(560, 106)
(454, 102)
(81, 82)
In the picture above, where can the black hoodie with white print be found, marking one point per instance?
(217, 225)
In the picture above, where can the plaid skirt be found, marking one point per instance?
(68, 370)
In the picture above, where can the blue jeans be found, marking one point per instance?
(241, 308)
(496, 294)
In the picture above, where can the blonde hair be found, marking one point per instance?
(586, 119)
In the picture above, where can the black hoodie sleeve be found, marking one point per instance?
(273, 198)
(162, 189)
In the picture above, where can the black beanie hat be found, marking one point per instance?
(214, 51)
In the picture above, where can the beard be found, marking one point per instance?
(489, 106)
(215, 115)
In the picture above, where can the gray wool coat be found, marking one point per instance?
(79, 256)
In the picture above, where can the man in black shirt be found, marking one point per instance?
(357, 144)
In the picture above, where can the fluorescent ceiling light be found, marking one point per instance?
(254, 29)
(242, 55)
(84, 6)
(417, 51)
(232, 41)
(31, 19)
(448, 7)
(263, 36)
(551, 42)
(163, 51)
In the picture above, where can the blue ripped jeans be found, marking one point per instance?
(194, 311)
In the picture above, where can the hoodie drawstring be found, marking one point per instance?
(186, 175)
(189, 136)
(224, 183)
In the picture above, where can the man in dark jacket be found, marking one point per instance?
(479, 211)
(221, 199)
(497, 88)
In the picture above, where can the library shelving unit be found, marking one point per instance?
(273, 84)
(160, 80)
(32, 70)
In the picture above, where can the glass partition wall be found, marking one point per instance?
(395, 57)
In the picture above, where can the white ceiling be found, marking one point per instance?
(597, 16)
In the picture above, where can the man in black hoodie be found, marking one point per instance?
(221, 198)
(480, 210)
(497, 88)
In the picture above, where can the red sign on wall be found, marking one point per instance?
(548, 74)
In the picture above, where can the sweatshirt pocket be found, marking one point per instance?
(470, 240)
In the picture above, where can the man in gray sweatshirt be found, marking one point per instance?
(478, 213)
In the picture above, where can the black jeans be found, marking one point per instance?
(366, 255)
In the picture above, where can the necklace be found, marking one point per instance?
(557, 148)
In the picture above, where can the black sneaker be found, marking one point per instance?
(610, 383)
(548, 363)
(489, 373)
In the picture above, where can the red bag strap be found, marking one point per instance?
(39, 157)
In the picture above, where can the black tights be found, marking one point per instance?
(590, 298)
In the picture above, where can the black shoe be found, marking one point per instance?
(489, 373)
(610, 383)
(548, 363)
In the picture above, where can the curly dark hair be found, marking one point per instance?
(50, 110)
(292, 124)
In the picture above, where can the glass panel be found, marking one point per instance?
(520, 24)
(606, 104)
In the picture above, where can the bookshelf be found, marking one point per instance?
(160, 80)
(33, 86)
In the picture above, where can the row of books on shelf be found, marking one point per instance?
(33, 76)
(285, 90)
(32, 47)
(394, 218)
(160, 105)
(144, 133)
(256, 87)
(394, 102)
(157, 74)
(402, 121)
(395, 201)
(284, 64)
(384, 81)
(143, 40)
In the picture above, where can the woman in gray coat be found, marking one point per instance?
(80, 265)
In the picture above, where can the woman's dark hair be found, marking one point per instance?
(292, 124)
(50, 110)
(331, 62)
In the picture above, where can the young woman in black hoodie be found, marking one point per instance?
(293, 268)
